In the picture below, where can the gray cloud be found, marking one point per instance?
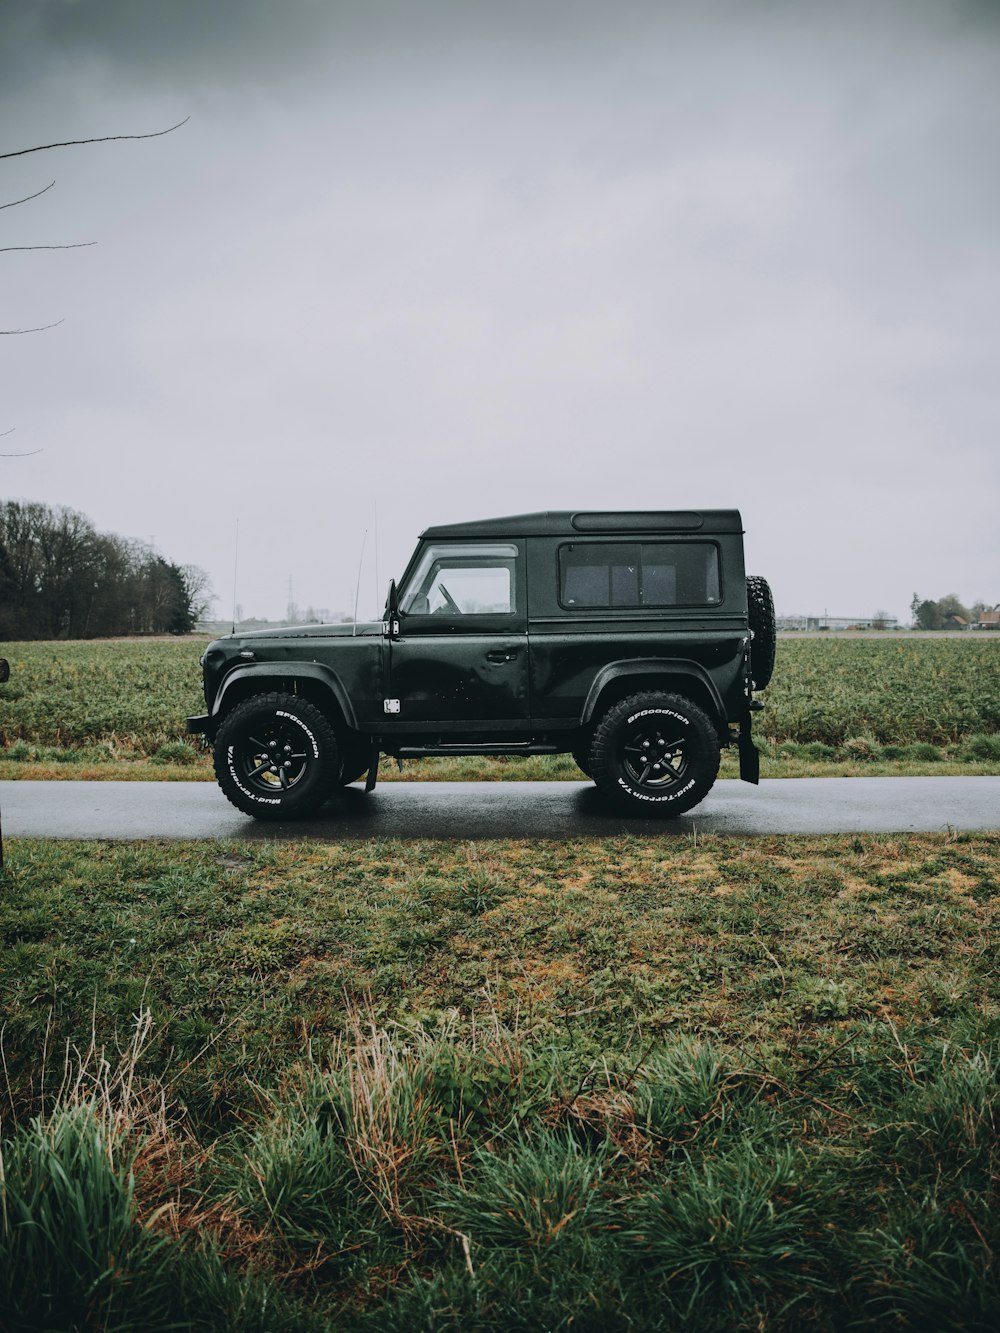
(237, 39)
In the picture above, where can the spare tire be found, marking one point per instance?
(763, 631)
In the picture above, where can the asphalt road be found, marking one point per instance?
(475, 810)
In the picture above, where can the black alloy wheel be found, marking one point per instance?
(275, 761)
(276, 757)
(655, 753)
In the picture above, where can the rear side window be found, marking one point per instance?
(639, 574)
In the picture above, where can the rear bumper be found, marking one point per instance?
(200, 725)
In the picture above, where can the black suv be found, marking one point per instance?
(633, 641)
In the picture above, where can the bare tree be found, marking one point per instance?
(72, 245)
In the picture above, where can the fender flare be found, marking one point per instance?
(290, 671)
(677, 667)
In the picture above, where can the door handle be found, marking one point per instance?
(502, 655)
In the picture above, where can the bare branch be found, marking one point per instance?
(79, 245)
(27, 454)
(28, 197)
(107, 138)
(40, 329)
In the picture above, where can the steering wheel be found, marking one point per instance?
(452, 604)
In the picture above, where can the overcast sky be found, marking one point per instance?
(458, 259)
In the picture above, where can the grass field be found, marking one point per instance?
(836, 705)
(618, 1084)
(600, 1085)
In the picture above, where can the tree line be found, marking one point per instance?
(928, 614)
(61, 578)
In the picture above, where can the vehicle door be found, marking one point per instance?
(461, 653)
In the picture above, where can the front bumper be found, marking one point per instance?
(200, 725)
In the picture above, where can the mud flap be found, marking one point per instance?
(372, 769)
(749, 757)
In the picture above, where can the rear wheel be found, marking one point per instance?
(276, 757)
(655, 754)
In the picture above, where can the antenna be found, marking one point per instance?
(377, 603)
(357, 590)
(236, 562)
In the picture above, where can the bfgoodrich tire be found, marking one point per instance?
(655, 754)
(276, 757)
(763, 630)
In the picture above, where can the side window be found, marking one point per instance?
(639, 574)
(468, 580)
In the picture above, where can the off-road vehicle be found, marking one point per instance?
(633, 641)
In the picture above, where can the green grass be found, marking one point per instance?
(612, 1084)
(889, 691)
(127, 697)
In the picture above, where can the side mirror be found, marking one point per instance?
(390, 626)
(4, 670)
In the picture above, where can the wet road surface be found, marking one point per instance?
(475, 810)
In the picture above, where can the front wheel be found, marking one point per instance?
(276, 757)
(655, 754)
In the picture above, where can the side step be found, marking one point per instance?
(463, 748)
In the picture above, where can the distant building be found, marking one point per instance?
(989, 619)
(836, 622)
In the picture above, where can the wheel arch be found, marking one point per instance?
(675, 676)
(310, 680)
